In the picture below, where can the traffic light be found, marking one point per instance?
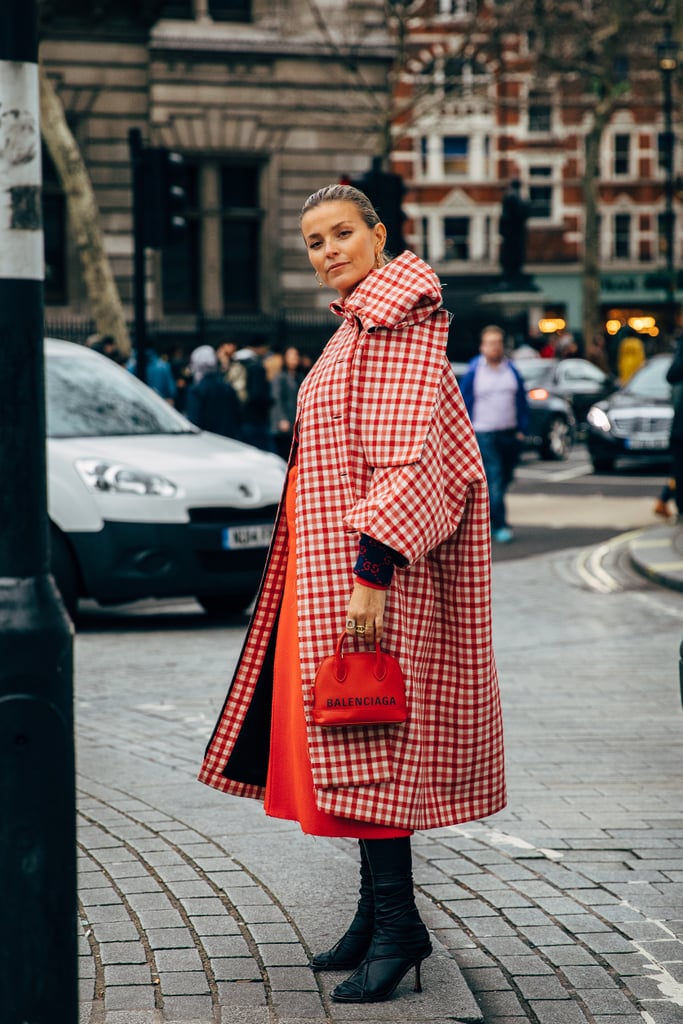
(164, 196)
(386, 191)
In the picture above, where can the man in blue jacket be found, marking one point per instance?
(495, 397)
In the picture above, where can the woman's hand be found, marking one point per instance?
(365, 615)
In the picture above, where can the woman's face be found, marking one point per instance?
(341, 247)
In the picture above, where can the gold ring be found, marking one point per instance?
(361, 630)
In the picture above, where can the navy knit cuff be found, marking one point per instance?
(376, 561)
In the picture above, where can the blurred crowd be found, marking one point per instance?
(248, 392)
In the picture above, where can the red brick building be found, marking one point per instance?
(474, 112)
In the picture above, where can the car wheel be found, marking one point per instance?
(602, 463)
(225, 607)
(556, 441)
(63, 568)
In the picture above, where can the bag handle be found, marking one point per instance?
(379, 667)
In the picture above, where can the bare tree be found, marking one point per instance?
(84, 219)
(586, 54)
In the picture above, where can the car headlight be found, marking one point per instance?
(117, 478)
(599, 419)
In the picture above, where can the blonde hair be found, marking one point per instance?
(346, 194)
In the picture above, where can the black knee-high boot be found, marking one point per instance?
(400, 940)
(353, 945)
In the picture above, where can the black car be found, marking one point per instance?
(551, 420)
(635, 422)
(552, 424)
(580, 382)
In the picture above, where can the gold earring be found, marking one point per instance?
(378, 259)
(317, 277)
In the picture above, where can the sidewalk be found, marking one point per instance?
(657, 553)
(566, 908)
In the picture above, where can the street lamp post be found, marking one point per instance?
(667, 57)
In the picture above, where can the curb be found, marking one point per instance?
(657, 553)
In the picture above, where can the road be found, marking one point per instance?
(565, 908)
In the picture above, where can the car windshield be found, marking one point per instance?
(650, 381)
(91, 397)
(533, 371)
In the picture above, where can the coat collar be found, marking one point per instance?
(405, 291)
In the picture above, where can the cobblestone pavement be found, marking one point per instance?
(565, 908)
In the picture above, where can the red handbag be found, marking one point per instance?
(361, 688)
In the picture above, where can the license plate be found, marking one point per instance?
(235, 538)
(647, 442)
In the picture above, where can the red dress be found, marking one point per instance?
(289, 786)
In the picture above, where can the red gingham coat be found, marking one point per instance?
(386, 448)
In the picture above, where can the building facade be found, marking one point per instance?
(472, 117)
(266, 100)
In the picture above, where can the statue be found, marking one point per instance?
(513, 234)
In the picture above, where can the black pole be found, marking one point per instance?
(137, 167)
(668, 59)
(38, 951)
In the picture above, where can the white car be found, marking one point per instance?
(142, 503)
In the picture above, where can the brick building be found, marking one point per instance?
(469, 121)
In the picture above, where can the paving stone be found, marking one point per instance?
(122, 953)
(607, 1001)
(220, 924)
(178, 960)
(119, 931)
(127, 974)
(564, 955)
(558, 1012)
(242, 994)
(225, 946)
(488, 926)
(541, 987)
(544, 936)
(183, 983)
(522, 966)
(188, 1008)
(588, 977)
(282, 954)
(238, 968)
(137, 997)
(486, 979)
(292, 979)
(170, 938)
(626, 964)
(495, 1004)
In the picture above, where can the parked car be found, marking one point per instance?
(552, 424)
(635, 421)
(551, 420)
(581, 383)
(142, 503)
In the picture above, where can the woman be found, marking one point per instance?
(285, 389)
(211, 402)
(384, 531)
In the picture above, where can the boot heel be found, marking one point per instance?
(418, 982)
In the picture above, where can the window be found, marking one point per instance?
(540, 117)
(456, 238)
(455, 154)
(54, 234)
(540, 193)
(622, 154)
(622, 236)
(459, 8)
(665, 150)
(424, 154)
(230, 10)
(241, 219)
(180, 259)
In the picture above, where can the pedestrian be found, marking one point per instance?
(661, 506)
(285, 388)
(256, 409)
(495, 397)
(211, 402)
(234, 372)
(675, 377)
(158, 374)
(383, 534)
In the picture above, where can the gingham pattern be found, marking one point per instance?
(386, 448)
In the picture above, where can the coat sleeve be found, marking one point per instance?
(416, 437)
